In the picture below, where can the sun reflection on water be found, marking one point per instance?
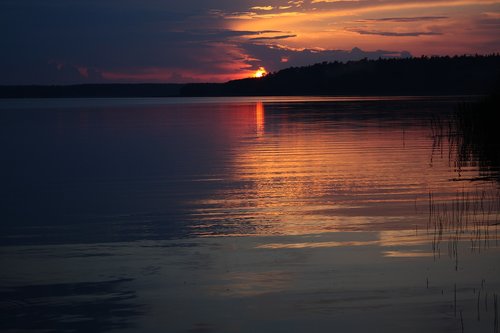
(296, 171)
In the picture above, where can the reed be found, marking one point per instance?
(462, 321)
(495, 307)
(478, 308)
(468, 216)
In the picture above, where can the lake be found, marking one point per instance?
(272, 214)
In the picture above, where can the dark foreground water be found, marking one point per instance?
(243, 215)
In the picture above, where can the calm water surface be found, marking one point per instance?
(243, 215)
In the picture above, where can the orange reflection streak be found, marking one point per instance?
(259, 118)
(407, 254)
(392, 238)
(314, 245)
(252, 283)
(394, 243)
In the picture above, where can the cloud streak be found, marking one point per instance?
(405, 19)
(396, 34)
(273, 37)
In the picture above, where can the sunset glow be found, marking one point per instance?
(260, 72)
(221, 41)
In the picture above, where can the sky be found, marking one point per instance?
(128, 41)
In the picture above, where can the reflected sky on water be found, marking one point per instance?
(159, 171)
(241, 215)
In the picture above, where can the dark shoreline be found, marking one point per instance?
(431, 76)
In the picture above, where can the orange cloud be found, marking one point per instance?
(437, 27)
(262, 8)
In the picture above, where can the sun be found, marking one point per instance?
(260, 72)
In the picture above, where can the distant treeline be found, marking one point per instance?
(409, 76)
(91, 90)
